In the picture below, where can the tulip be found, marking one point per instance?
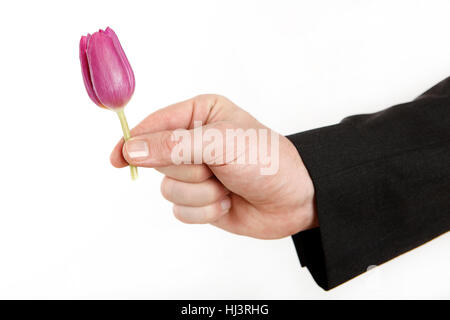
(107, 75)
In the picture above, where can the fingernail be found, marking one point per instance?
(136, 148)
(225, 204)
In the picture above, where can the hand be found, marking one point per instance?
(231, 193)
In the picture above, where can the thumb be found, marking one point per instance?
(149, 150)
(201, 145)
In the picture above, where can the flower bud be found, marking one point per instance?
(107, 74)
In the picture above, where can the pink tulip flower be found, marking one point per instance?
(107, 75)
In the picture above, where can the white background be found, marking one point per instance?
(72, 226)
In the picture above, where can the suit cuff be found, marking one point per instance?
(332, 156)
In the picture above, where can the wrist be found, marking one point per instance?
(306, 206)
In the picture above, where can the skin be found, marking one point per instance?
(234, 197)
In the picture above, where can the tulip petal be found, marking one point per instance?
(85, 70)
(111, 75)
(119, 48)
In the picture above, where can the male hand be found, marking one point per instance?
(232, 193)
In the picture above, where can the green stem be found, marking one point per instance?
(126, 137)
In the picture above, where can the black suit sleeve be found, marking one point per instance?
(382, 184)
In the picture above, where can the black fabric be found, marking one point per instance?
(382, 184)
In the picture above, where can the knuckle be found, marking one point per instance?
(211, 213)
(206, 97)
(210, 100)
(214, 189)
(163, 189)
(176, 213)
(182, 217)
(167, 143)
(199, 174)
(167, 189)
(193, 175)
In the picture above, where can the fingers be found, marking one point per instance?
(204, 214)
(181, 115)
(192, 194)
(202, 202)
(187, 173)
